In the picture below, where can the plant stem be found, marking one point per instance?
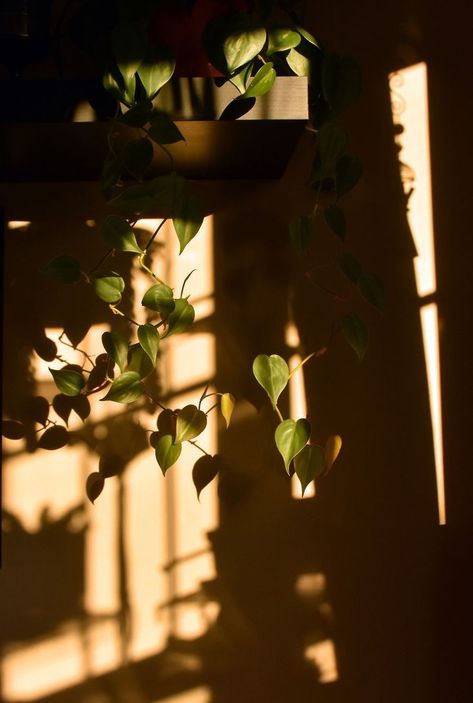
(116, 311)
(278, 413)
(155, 234)
(156, 402)
(198, 447)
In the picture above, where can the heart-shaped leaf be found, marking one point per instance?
(272, 373)
(68, 381)
(227, 405)
(166, 422)
(190, 423)
(262, 82)
(45, 348)
(159, 298)
(94, 486)
(307, 36)
(300, 232)
(138, 115)
(54, 438)
(117, 347)
(356, 334)
(81, 406)
(280, 39)
(309, 464)
(128, 46)
(291, 436)
(139, 361)
(372, 289)
(163, 130)
(116, 231)
(331, 143)
(299, 63)
(188, 219)
(335, 219)
(347, 174)
(64, 269)
(62, 405)
(108, 285)
(167, 452)
(148, 336)
(12, 429)
(241, 78)
(126, 388)
(333, 446)
(156, 70)
(242, 46)
(181, 317)
(205, 470)
(37, 410)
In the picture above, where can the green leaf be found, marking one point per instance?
(166, 422)
(54, 438)
(148, 336)
(181, 317)
(166, 452)
(112, 86)
(308, 37)
(242, 46)
(262, 82)
(137, 156)
(64, 269)
(138, 115)
(341, 81)
(298, 63)
(347, 174)
(190, 423)
(126, 388)
(351, 267)
(331, 143)
(272, 373)
(155, 198)
(372, 289)
(333, 446)
(188, 218)
(140, 361)
(164, 131)
(291, 436)
(205, 470)
(300, 232)
(12, 429)
(241, 78)
(356, 334)
(281, 40)
(117, 347)
(128, 47)
(227, 406)
(108, 285)
(156, 70)
(159, 298)
(94, 485)
(309, 464)
(335, 219)
(118, 233)
(67, 381)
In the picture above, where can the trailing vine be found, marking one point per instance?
(249, 49)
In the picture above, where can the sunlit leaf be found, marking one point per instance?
(68, 381)
(156, 70)
(291, 436)
(280, 39)
(108, 286)
(188, 218)
(190, 423)
(128, 46)
(117, 347)
(262, 82)
(64, 269)
(118, 233)
(272, 373)
(11, 429)
(309, 464)
(372, 289)
(298, 63)
(241, 78)
(139, 361)
(242, 46)
(205, 470)
(159, 298)
(148, 337)
(300, 232)
(335, 219)
(356, 334)
(227, 406)
(126, 388)
(308, 36)
(181, 317)
(167, 452)
(94, 486)
(333, 446)
(137, 156)
(54, 438)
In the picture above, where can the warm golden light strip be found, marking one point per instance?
(409, 99)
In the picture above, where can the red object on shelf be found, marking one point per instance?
(182, 32)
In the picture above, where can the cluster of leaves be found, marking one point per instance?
(307, 459)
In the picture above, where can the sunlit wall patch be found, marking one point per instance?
(409, 102)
